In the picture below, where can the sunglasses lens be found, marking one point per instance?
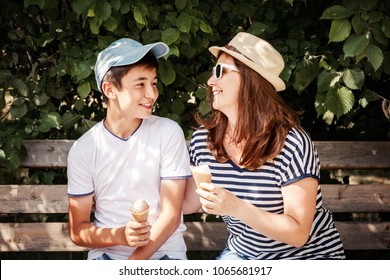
(218, 71)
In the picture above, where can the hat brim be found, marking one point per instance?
(274, 80)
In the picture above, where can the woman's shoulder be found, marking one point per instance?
(299, 139)
(298, 135)
(200, 133)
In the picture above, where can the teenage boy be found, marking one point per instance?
(129, 155)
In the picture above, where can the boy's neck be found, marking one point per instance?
(122, 128)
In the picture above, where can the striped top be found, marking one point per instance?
(262, 188)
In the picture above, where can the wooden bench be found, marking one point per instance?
(361, 206)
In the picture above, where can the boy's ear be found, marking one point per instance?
(108, 90)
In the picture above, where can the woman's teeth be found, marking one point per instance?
(148, 105)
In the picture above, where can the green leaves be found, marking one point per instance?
(166, 72)
(328, 79)
(5, 75)
(170, 35)
(102, 10)
(374, 55)
(386, 27)
(336, 12)
(335, 97)
(340, 101)
(84, 89)
(339, 30)
(355, 45)
(81, 6)
(40, 3)
(371, 27)
(48, 121)
(50, 49)
(184, 22)
(205, 27)
(69, 119)
(20, 86)
(353, 78)
(180, 4)
(139, 17)
(18, 108)
(81, 69)
(305, 73)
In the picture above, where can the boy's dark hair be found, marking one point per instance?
(115, 74)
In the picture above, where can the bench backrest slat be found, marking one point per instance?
(333, 154)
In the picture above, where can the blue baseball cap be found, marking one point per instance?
(122, 52)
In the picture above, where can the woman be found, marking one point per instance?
(265, 168)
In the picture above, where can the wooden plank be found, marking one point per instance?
(54, 199)
(333, 154)
(33, 199)
(46, 153)
(354, 235)
(364, 235)
(356, 198)
(199, 236)
(205, 236)
(45, 237)
(354, 154)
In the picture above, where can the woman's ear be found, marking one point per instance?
(108, 90)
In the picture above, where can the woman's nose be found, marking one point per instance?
(211, 81)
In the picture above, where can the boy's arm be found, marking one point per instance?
(171, 199)
(85, 234)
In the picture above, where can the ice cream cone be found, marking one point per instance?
(140, 216)
(140, 210)
(201, 174)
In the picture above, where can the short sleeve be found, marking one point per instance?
(300, 158)
(80, 182)
(198, 149)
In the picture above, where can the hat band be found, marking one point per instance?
(232, 48)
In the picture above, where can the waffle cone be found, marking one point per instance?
(201, 177)
(140, 216)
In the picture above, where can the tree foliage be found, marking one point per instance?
(336, 54)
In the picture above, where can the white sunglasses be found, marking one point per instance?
(218, 69)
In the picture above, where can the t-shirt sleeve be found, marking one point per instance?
(198, 147)
(80, 182)
(300, 160)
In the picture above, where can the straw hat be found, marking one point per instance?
(257, 54)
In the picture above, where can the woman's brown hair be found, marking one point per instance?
(264, 120)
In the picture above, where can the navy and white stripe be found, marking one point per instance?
(262, 188)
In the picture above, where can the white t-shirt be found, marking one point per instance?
(119, 171)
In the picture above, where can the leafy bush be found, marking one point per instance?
(337, 61)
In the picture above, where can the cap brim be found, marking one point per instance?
(157, 49)
(274, 80)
